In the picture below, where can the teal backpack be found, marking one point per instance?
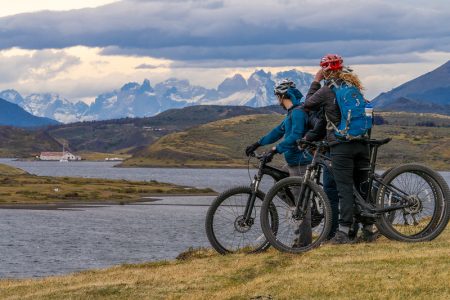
(356, 112)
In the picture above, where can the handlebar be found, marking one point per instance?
(318, 145)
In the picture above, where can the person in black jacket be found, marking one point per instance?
(348, 157)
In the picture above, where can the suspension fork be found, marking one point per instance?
(252, 197)
(300, 210)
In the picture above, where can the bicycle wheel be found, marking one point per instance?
(429, 194)
(224, 224)
(286, 238)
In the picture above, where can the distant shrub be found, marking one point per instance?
(379, 120)
(71, 195)
(426, 124)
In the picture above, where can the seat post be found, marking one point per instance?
(373, 158)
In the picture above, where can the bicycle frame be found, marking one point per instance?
(263, 169)
(368, 208)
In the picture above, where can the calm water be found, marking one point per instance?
(37, 243)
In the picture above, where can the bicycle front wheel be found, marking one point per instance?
(294, 234)
(428, 194)
(226, 228)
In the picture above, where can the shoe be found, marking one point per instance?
(368, 236)
(340, 238)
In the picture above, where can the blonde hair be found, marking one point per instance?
(347, 76)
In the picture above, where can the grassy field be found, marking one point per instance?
(381, 270)
(18, 187)
(222, 143)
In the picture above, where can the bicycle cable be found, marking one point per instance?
(248, 168)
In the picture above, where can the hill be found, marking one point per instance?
(221, 143)
(381, 270)
(427, 93)
(126, 134)
(120, 136)
(14, 115)
(216, 144)
(19, 142)
(6, 170)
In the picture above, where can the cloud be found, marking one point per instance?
(150, 66)
(40, 65)
(239, 31)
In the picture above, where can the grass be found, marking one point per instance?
(6, 170)
(381, 270)
(222, 143)
(18, 187)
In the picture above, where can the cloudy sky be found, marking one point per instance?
(80, 48)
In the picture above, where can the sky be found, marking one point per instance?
(81, 48)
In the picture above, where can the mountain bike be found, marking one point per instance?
(232, 221)
(409, 203)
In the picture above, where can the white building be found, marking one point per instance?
(58, 156)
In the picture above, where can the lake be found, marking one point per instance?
(35, 243)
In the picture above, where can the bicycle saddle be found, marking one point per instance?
(379, 142)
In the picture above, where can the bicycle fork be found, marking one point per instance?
(301, 207)
(251, 201)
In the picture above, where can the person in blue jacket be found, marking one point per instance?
(292, 128)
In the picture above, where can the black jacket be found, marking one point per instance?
(322, 96)
(317, 125)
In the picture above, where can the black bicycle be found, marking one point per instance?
(232, 221)
(409, 202)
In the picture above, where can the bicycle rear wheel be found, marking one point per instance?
(429, 194)
(286, 238)
(225, 227)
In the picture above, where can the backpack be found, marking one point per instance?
(356, 112)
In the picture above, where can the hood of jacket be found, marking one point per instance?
(295, 95)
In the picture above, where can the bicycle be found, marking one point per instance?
(230, 221)
(409, 202)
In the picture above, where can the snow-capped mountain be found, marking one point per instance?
(132, 100)
(142, 100)
(48, 105)
(257, 91)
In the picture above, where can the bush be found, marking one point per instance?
(379, 120)
(426, 124)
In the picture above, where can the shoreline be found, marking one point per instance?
(97, 203)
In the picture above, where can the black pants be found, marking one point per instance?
(347, 158)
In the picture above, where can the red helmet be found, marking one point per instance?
(331, 62)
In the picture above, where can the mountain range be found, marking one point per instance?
(144, 100)
(427, 93)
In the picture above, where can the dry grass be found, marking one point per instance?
(382, 270)
(6, 170)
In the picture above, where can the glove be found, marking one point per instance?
(269, 155)
(250, 149)
(302, 146)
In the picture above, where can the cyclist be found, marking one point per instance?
(348, 157)
(293, 127)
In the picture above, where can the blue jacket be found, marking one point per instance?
(293, 127)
